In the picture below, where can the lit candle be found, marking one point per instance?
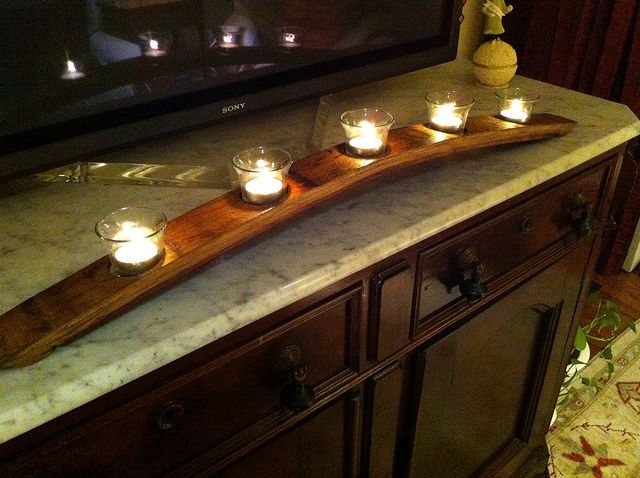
(264, 189)
(516, 104)
(515, 112)
(135, 251)
(367, 142)
(71, 72)
(154, 49)
(446, 120)
(262, 173)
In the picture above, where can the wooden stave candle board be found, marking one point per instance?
(93, 296)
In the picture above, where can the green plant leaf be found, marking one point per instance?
(607, 353)
(580, 341)
(616, 321)
(632, 326)
(610, 369)
(611, 305)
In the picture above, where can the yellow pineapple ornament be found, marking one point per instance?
(495, 62)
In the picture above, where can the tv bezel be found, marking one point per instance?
(256, 94)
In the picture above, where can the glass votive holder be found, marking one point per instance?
(447, 111)
(134, 239)
(155, 44)
(229, 36)
(366, 130)
(290, 37)
(516, 104)
(262, 173)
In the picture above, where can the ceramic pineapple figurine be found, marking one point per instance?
(495, 62)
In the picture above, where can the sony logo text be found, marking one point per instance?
(232, 108)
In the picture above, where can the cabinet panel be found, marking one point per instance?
(383, 403)
(390, 310)
(319, 448)
(224, 404)
(478, 388)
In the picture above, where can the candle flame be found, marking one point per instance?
(130, 231)
(447, 108)
(71, 67)
(368, 129)
(289, 37)
(153, 44)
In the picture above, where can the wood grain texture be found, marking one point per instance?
(92, 296)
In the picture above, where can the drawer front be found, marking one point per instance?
(497, 247)
(237, 395)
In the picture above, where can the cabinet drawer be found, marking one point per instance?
(500, 245)
(236, 395)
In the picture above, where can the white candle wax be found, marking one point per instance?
(445, 121)
(515, 112)
(366, 145)
(264, 189)
(136, 252)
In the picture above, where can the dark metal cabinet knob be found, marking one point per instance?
(470, 275)
(583, 221)
(526, 224)
(170, 415)
(296, 395)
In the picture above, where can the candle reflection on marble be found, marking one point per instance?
(262, 173)
(134, 238)
(447, 111)
(367, 131)
(516, 104)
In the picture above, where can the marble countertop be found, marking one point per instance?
(46, 233)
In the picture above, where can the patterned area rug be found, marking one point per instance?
(598, 435)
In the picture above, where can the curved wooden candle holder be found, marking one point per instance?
(93, 296)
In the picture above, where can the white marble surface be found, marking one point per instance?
(47, 233)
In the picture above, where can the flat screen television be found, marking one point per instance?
(81, 76)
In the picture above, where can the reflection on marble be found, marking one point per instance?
(328, 245)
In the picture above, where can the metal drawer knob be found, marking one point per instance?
(583, 221)
(526, 224)
(470, 275)
(296, 395)
(170, 415)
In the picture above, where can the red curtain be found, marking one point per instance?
(591, 46)
(586, 45)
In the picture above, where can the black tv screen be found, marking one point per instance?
(79, 76)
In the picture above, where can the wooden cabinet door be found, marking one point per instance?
(484, 393)
(324, 446)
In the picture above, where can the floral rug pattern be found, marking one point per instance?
(598, 435)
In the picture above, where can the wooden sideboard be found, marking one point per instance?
(443, 360)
